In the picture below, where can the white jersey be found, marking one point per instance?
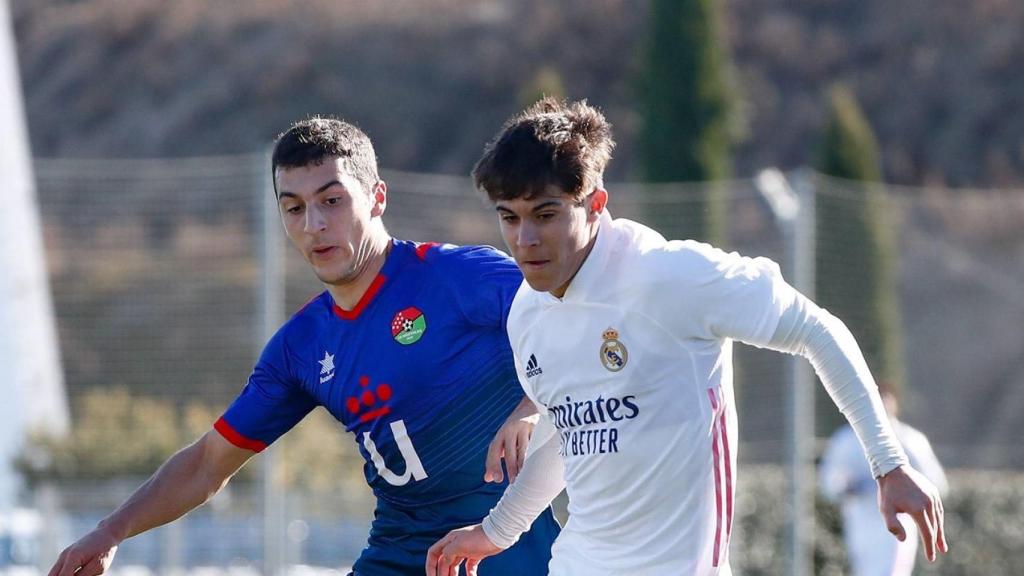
(846, 478)
(633, 367)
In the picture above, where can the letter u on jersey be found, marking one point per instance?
(413, 466)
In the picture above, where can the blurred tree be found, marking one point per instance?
(545, 82)
(856, 252)
(120, 433)
(114, 433)
(686, 108)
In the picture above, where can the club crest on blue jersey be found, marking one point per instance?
(408, 326)
(613, 352)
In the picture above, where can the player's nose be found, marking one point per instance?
(315, 221)
(527, 235)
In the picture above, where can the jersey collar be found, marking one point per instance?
(390, 262)
(593, 269)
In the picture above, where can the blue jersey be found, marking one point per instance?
(421, 373)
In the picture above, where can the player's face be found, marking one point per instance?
(331, 218)
(550, 235)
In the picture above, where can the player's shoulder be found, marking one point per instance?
(460, 258)
(699, 263)
(644, 256)
(470, 255)
(306, 324)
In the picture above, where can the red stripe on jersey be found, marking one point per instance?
(718, 478)
(368, 297)
(422, 249)
(231, 435)
(728, 477)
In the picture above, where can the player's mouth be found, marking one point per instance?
(535, 264)
(323, 251)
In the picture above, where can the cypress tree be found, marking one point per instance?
(686, 107)
(856, 251)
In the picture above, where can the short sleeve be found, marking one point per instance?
(271, 403)
(485, 281)
(725, 295)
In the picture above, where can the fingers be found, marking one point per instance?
(522, 441)
(492, 470)
(513, 459)
(434, 556)
(471, 567)
(893, 524)
(941, 526)
(924, 524)
(442, 559)
(93, 568)
(936, 518)
(66, 564)
(448, 563)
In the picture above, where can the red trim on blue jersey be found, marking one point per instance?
(231, 435)
(368, 296)
(422, 249)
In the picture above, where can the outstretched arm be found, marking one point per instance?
(185, 481)
(539, 482)
(810, 331)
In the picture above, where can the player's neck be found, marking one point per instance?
(348, 294)
(561, 290)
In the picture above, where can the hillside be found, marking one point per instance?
(432, 81)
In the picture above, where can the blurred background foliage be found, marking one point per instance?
(432, 81)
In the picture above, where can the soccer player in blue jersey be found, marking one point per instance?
(406, 341)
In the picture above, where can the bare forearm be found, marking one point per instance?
(181, 484)
(524, 409)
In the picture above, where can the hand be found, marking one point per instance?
(510, 443)
(906, 490)
(469, 545)
(90, 556)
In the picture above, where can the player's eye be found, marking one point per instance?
(293, 209)
(333, 201)
(545, 216)
(510, 218)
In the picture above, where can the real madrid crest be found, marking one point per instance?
(613, 353)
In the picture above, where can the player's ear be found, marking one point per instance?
(596, 202)
(379, 196)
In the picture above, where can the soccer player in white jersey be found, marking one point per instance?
(846, 479)
(624, 342)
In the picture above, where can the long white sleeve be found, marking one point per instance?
(538, 483)
(812, 332)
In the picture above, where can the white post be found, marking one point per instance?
(31, 381)
(271, 307)
(794, 214)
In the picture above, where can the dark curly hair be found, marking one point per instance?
(552, 142)
(313, 140)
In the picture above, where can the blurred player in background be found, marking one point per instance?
(406, 348)
(845, 478)
(624, 341)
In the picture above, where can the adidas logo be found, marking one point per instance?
(532, 369)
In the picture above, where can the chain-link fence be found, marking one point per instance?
(156, 267)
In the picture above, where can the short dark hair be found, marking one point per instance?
(315, 139)
(553, 142)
